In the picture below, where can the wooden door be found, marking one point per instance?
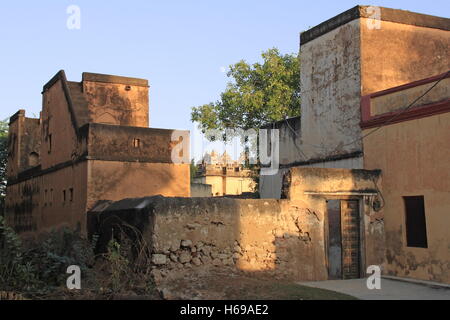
(350, 239)
(343, 249)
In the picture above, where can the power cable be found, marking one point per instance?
(400, 112)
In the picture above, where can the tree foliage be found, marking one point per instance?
(193, 170)
(258, 94)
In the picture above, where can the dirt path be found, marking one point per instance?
(223, 285)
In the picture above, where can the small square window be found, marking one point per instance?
(136, 143)
(71, 194)
(416, 227)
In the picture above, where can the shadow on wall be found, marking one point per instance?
(274, 238)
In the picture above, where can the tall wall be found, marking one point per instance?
(331, 91)
(129, 162)
(39, 202)
(399, 53)
(415, 162)
(343, 59)
(413, 154)
(349, 56)
(117, 100)
(59, 141)
(116, 180)
(16, 125)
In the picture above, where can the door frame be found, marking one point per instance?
(362, 242)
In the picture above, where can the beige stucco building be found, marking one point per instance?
(357, 73)
(342, 60)
(91, 142)
(411, 146)
(226, 177)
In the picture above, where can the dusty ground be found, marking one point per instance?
(216, 284)
(219, 284)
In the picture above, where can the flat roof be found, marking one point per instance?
(107, 78)
(387, 14)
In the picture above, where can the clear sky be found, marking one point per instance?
(181, 47)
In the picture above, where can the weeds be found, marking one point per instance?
(37, 269)
(118, 265)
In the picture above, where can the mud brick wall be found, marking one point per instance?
(276, 238)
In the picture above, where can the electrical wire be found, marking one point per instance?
(394, 117)
(401, 111)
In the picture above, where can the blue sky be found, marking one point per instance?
(181, 47)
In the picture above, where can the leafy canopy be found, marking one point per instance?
(259, 94)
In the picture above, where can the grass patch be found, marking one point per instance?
(292, 291)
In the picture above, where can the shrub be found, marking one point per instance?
(40, 266)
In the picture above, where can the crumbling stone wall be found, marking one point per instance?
(276, 238)
(273, 237)
(283, 239)
(312, 187)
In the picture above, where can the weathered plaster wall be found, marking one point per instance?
(216, 186)
(275, 238)
(270, 185)
(400, 53)
(122, 143)
(402, 99)
(14, 142)
(312, 187)
(201, 190)
(338, 67)
(228, 185)
(415, 161)
(37, 204)
(116, 180)
(290, 148)
(57, 123)
(30, 144)
(117, 100)
(353, 60)
(239, 185)
(24, 143)
(331, 90)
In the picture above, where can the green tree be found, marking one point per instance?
(193, 168)
(258, 94)
(3, 161)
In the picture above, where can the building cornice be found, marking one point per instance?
(386, 14)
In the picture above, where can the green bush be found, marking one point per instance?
(15, 270)
(40, 266)
(37, 268)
